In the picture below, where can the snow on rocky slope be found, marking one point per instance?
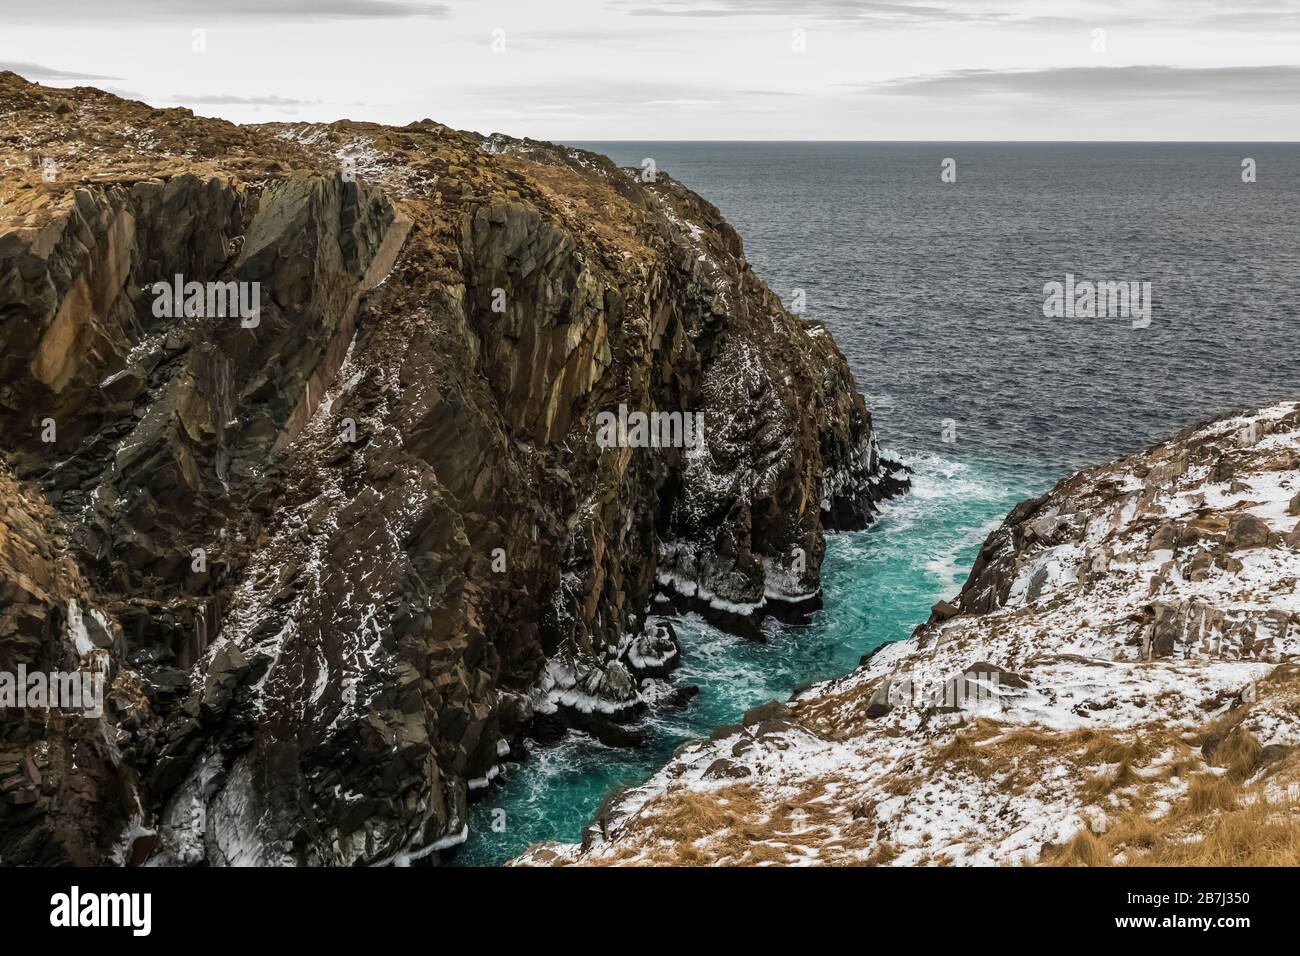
(1114, 684)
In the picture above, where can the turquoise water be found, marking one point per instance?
(878, 585)
(934, 294)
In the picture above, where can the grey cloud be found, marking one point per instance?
(890, 11)
(34, 71)
(1272, 83)
(1248, 15)
(208, 11)
(221, 99)
(1242, 15)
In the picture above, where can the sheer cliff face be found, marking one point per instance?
(337, 546)
(1116, 683)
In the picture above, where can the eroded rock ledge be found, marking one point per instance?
(1116, 683)
(337, 564)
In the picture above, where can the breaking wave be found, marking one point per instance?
(877, 586)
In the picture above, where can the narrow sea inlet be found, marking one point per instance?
(878, 584)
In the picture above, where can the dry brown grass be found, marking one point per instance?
(1083, 849)
(742, 825)
(961, 750)
(1098, 786)
(1154, 796)
(1018, 759)
(1208, 793)
(1223, 819)
(1261, 833)
(1239, 753)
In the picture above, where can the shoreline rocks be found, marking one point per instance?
(1115, 683)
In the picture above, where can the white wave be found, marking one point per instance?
(935, 477)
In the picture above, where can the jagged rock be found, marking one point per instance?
(881, 700)
(1246, 531)
(976, 684)
(772, 710)
(228, 666)
(944, 610)
(374, 530)
(1227, 562)
(654, 653)
(1036, 584)
(680, 696)
(723, 769)
(1165, 538)
(1200, 567)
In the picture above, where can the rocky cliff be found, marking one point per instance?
(1115, 684)
(337, 527)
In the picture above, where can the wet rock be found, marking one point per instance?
(723, 731)
(680, 696)
(654, 653)
(1099, 655)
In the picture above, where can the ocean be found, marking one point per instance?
(934, 291)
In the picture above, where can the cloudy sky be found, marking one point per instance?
(693, 69)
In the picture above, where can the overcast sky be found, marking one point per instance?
(693, 69)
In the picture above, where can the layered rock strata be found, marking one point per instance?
(339, 552)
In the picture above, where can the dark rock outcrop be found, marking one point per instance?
(335, 555)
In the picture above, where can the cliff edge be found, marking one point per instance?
(307, 451)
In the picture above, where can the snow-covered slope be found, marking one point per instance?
(1112, 685)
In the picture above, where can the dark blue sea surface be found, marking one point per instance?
(934, 292)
